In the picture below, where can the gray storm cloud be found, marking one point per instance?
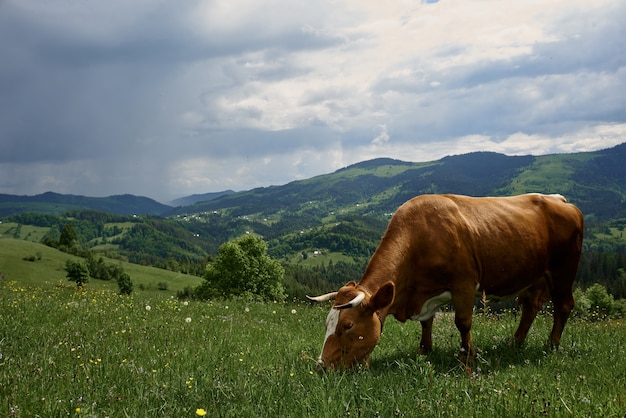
(167, 99)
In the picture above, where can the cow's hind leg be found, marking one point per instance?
(426, 343)
(531, 300)
(563, 301)
(563, 304)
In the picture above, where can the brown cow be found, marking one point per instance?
(449, 248)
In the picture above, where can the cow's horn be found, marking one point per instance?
(353, 303)
(323, 298)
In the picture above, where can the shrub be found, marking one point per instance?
(125, 284)
(597, 303)
(187, 293)
(583, 305)
(601, 301)
(77, 272)
(619, 308)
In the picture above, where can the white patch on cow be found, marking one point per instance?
(496, 298)
(331, 327)
(432, 305)
(559, 196)
(554, 196)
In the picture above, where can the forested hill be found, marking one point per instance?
(55, 203)
(595, 181)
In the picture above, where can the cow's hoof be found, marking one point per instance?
(424, 350)
(466, 356)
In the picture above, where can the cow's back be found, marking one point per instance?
(503, 244)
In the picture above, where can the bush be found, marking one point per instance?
(583, 305)
(125, 284)
(619, 308)
(187, 293)
(77, 272)
(596, 303)
(601, 301)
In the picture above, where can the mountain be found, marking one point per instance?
(54, 203)
(197, 198)
(595, 181)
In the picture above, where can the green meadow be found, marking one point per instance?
(47, 269)
(91, 352)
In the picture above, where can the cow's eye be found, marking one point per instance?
(348, 326)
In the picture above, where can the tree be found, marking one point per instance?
(68, 242)
(77, 272)
(125, 283)
(68, 236)
(242, 267)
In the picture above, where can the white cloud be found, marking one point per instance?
(383, 136)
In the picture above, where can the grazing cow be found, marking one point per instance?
(449, 248)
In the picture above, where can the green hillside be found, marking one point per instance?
(596, 181)
(551, 174)
(47, 269)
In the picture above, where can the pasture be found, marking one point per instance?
(94, 353)
(49, 268)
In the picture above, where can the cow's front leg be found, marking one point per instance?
(426, 343)
(464, 325)
(463, 320)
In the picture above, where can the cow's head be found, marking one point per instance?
(353, 325)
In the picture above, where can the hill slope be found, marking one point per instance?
(596, 181)
(16, 263)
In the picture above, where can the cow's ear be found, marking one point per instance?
(383, 297)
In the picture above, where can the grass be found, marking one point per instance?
(95, 353)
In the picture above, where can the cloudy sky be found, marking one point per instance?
(166, 98)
